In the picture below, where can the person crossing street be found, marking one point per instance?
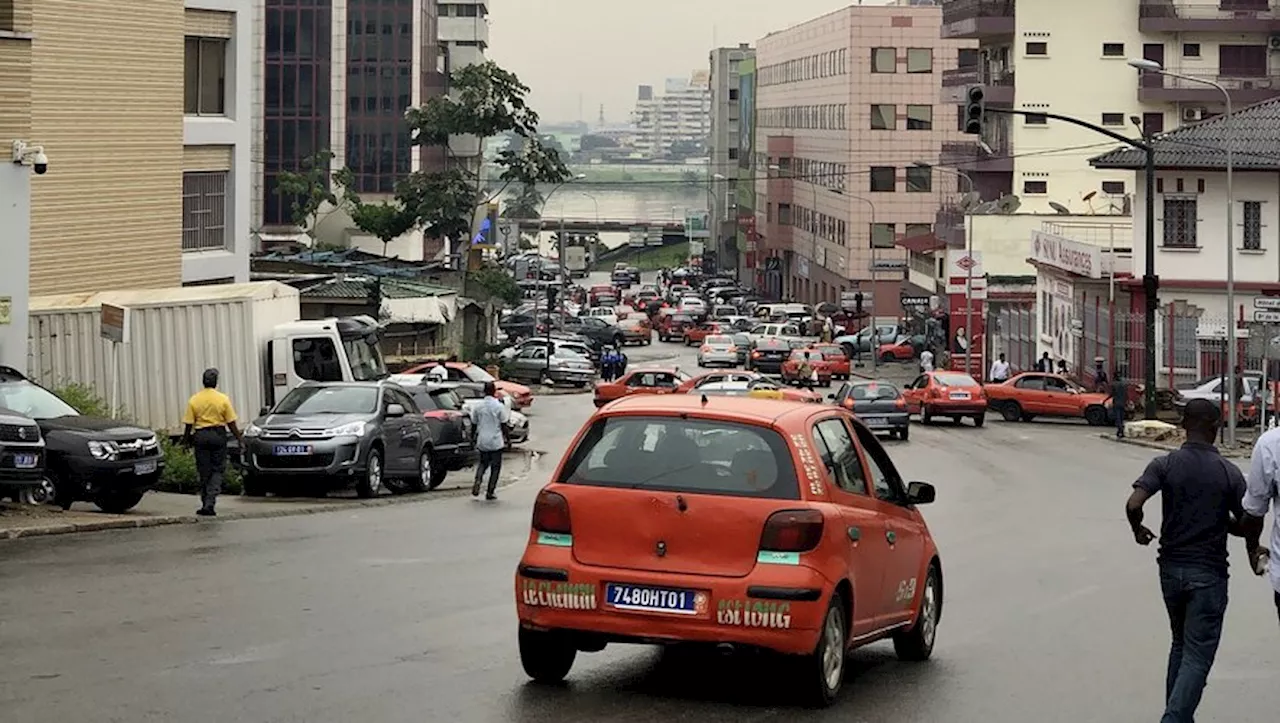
(208, 419)
(491, 419)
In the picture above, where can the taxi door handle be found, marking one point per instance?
(891, 536)
(855, 534)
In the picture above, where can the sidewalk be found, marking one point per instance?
(163, 508)
(895, 372)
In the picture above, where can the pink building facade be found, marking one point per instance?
(849, 123)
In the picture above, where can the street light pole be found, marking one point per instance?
(1154, 67)
(968, 286)
(564, 273)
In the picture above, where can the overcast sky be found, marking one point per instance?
(598, 51)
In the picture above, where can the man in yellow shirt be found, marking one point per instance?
(208, 419)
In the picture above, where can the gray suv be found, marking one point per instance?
(22, 460)
(333, 435)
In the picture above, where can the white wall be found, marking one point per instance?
(234, 129)
(1073, 79)
(1004, 241)
(15, 272)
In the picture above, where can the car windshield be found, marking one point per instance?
(475, 373)
(873, 392)
(684, 455)
(34, 401)
(955, 380)
(720, 341)
(330, 400)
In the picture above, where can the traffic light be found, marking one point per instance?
(975, 108)
(857, 304)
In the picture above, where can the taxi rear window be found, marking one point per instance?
(672, 454)
(955, 380)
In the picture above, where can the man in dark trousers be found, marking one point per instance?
(1100, 382)
(1119, 400)
(1044, 364)
(208, 419)
(1201, 504)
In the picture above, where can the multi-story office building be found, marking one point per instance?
(464, 39)
(723, 148)
(674, 123)
(1071, 58)
(338, 76)
(848, 123)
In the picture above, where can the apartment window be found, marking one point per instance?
(1180, 223)
(204, 211)
(883, 179)
(915, 230)
(1242, 61)
(1152, 123)
(1113, 188)
(733, 154)
(968, 58)
(884, 117)
(884, 60)
(1113, 50)
(919, 179)
(919, 117)
(1191, 50)
(1035, 120)
(733, 94)
(1113, 119)
(205, 79)
(960, 119)
(1033, 188)
(919, 60)
(1253, 225)
(1037, 48)
(883, 235)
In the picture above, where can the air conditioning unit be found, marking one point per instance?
(1193, 114)
(1273, 42)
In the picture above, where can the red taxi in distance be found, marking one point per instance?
(901, 351)
(730, 522)
(791, 367)
(652, 380)
(1033, 394)
(946, 394)
(836, 358)
(691, 386)
(672, 327)
(698, 333)
(598, 293)
(521, 395)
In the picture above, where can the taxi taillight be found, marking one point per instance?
(755, 355)
(706, 348)
(551, 513)
(791, 531)
(900, 404)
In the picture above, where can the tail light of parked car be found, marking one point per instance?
(900, 404)
(551, 513)
(789, 531)
(706, 348)
(755, 355)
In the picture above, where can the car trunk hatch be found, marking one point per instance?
(877, 406)
(668, 532)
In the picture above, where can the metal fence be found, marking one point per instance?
(1011, 328)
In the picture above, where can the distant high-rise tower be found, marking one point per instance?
(600, 119)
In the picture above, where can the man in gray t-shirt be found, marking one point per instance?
(490, 418)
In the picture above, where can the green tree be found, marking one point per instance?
(385, 221)
(497, 282)
(526, 205)
(308, 190)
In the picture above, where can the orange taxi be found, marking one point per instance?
(791, 367)
(697, 334)
(521, 395)
(651, 380)
(836, 358)
(735, 377)
(1032, 394)
(731, 522)
(946, 394)
(901, 351)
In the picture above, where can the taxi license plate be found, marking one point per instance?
(145, 467)
(873, 421)
(959, 395)
(291, 450)
(25, 461)
(654, 600)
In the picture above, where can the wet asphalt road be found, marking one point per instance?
(405, 613)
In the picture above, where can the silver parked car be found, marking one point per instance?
(1214, 389)
(562, 367)
(327, 436)
(718, 349)
(472, 394)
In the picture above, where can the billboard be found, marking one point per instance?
(697, 224)
(747, 112)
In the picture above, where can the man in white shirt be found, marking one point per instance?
(1261, 493)
(490, 418)
(926, 361)
(439, 373)
(1000, 370)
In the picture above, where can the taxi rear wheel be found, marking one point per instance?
(822, 672)
(916, 644)
(546, 656)
(1011, 411)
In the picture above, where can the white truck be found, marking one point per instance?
(250, 332)
(575, 261)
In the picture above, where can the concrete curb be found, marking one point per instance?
(64, 528)
(1229, 453)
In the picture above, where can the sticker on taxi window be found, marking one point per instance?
(754, 614)
(559, 595)
(555, 539)
(809, 463)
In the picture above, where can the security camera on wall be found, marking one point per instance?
(33, 156)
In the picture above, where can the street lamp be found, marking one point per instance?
(564, 274)
(968, 286)
(1152, 66)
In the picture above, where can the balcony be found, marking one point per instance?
(998, 84)
(1226, 16)
(977, 18)
(968, 156)
(1245, 89)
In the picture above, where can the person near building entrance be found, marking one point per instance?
(1062, 367)
(1119, 400)
(208, 420)
(926, 361)
(1100, 383)
(1044, 364)
(1000, 370)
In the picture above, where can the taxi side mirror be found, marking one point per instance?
(921, 493)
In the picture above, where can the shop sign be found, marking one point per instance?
(1062, 253)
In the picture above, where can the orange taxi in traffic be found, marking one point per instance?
(791, 367)
(732, 522)
(521, 395)
(946, 394)
(651, 380)
(1032, 394)
(734, 377)
(837, 360)
(698, 334)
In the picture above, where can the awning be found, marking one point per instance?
(922, 244)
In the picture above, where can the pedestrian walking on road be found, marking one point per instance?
(1000, 371)
(1201, 504)
(1263, 491)
(926, 361)
(1100, 383)
(1044, 364)
(209, 418)
(491, 419)
(1119, 401)
(805, 374)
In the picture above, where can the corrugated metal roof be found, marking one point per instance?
(1253, 134)
(164, 297)
(360, 287)
(351, 259)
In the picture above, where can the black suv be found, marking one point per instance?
(105, 461)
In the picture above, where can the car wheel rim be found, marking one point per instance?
(929, 613)
(375, 474)
(425, 469)
(44, 492)
(833, 651)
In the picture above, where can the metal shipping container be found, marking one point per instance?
(175, 334)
